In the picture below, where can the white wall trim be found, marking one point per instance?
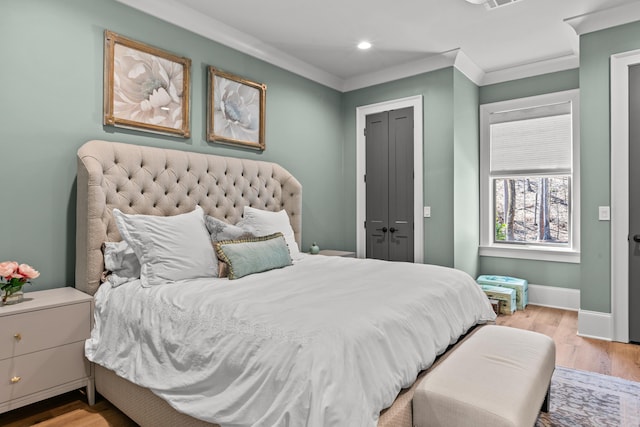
(487, 245)
(361, 113)
(593, 324)
(192, 20)
(470, 69)
(605, 18)
(549, 296)
(413, 68)
(452, 58)
(530, 252)
(178, 14)
(552, 65)
(620, 191)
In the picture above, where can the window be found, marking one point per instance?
(530, 178)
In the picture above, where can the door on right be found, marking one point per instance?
(389, 185)
(634, 203)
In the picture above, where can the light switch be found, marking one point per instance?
(604, 213)
(427, 211)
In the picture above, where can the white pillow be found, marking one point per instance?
(169, 248)
(121, 262)
(268, 222)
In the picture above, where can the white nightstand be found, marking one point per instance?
(332, 252)
(42, 347)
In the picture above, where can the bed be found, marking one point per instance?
(166, 183)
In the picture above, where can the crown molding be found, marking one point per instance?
(470, 69)
(413, 68)
(212, 29)
(605, 18)
(561, 63)
(451, 58)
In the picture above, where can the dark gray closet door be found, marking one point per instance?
(634, 203)
(389, 183)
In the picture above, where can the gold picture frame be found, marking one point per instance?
(145, 88)
(235, 110)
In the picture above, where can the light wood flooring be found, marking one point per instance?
(605, 357)
(610, 358)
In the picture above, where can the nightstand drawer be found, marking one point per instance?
(41, 329)
(38, 371)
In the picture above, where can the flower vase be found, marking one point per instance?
(14, 298)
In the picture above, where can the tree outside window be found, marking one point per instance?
(532, 209)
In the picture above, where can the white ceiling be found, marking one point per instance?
(317, 39)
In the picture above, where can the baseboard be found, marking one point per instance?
(593, 324)
(549, 296)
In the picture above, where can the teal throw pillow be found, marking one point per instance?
(253, 255)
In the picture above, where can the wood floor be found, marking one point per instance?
(610, 358)
(605, 357)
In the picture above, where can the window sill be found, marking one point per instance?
(531, 252)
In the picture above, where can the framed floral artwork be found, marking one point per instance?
(145, 87)
(236, 110)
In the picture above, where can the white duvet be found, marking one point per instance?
(329, 341)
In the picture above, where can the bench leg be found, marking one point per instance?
(547, 398)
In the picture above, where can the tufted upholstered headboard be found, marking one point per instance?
(156, 181)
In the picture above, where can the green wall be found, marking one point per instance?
(448, 99)
(466, 172)
(595, 51)
(436, 89)
(51, 103)
(593, 275)
(558, 274)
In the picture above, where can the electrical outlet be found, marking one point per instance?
(604, 214)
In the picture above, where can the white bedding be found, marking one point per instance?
(329, 341)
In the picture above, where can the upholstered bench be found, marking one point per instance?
(499, 376)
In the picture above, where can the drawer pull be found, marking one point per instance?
(17, 336)
(15, 379)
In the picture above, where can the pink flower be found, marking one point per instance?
(7, 269)
(28, 272)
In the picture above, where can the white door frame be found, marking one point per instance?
(361, 209)
(620, 191)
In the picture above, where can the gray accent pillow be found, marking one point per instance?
(254, 255)
(220, 230)
(121, 263)
(169, 248)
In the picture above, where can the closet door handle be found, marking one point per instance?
(393, 230)
(384, 229)
(636, 238)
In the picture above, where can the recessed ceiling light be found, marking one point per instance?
(364, 45)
